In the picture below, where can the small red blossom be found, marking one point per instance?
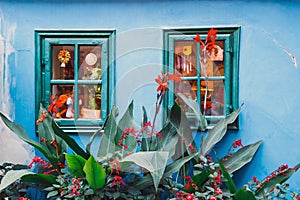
(179, 195)
(197, 38)
(218, 178)
(115, 166)
(237, 143)
(212, 198)
(41, 119)
(122, 145)
(255, 180)
(191, 148)
(38, 160)
(159, 136)
(183, 140)
(23, 198)
(118, 180)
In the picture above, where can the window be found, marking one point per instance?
(76, 68)
(209, 76)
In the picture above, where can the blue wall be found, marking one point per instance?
(269, 80)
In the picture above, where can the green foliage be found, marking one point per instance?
(95, 173)
(75, 165)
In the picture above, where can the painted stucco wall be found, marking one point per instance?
(269, 77)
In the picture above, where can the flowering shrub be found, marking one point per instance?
(141, 162)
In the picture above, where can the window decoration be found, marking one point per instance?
(207, 61)
(63, 56)
(75, 74)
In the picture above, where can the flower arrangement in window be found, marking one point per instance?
(64, 57)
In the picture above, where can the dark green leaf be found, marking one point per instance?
(244, 194)
(69, 140)
(75, 165)
(44, 179)
(229, 182)
(95, 173)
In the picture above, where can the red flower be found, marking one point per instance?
(211, 38)
(23, 198)
(115, 165)
(237, 143)
(159, 136)
(212, 198)
(218, 178)
(41, 119)
(255, 180)
(122, 145)
(191, 148)
(118, 180)
(163, 81)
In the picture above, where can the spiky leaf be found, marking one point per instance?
(240, 158)
(218, 132)
(107, 143)
(155, 162)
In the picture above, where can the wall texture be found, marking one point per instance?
(269, 74)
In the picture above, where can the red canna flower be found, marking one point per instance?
(118, 180)
(211, 38)
(163, 81)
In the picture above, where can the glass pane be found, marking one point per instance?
(189, 89)
(185, 58)
(64, 100)
(62, 62)
(212, 62)
(212, 101)
(89, 101)
(90, 62)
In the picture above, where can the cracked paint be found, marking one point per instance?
(12, 148)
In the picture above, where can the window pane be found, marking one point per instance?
(64, 101)
(212, 67)
(185, 58)
(89, 101)
(90, 62)
(212, 62)
(62, 62)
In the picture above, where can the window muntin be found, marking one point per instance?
(217, 73)
(82, 82)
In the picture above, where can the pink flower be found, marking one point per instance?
(212, 198)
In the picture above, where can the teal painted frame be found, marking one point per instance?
(231, 36)
(47, 37)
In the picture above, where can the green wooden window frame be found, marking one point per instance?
(230, 37)
(44, 41)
